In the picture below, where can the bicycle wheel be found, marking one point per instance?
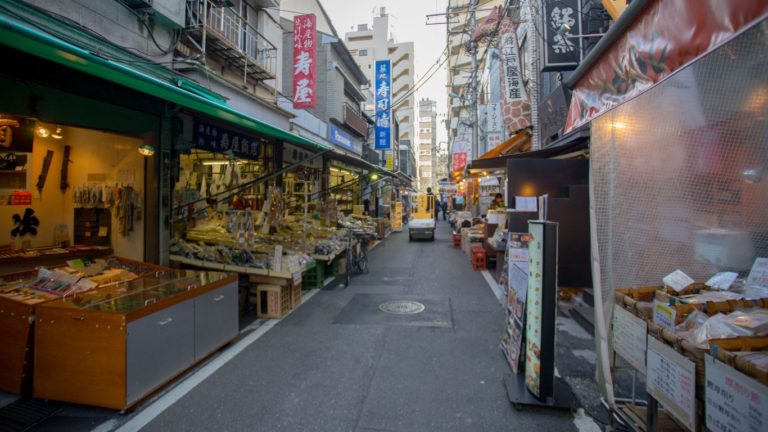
(348, 267)
(363, 263)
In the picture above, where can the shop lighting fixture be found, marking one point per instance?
(754, 175)
(221, 162)
(147, 150)
(619, 125)
(58, 134)
(374, 176)
(42, 131)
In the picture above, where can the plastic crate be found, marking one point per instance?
(314, 277)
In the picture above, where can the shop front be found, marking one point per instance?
(97, 160)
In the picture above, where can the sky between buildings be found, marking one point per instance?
(407, 21)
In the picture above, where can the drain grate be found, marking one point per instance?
(402, 307)
(24, 413)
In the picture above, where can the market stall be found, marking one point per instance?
(678, 213)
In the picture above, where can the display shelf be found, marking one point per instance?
(232, 268)
(111, 347)
(18, 305)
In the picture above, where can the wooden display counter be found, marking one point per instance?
(112, 347)
(17, 312)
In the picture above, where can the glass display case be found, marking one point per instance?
(21, 293)
(113, 346)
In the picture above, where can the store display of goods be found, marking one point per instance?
(179, 316)
(12, 253)
(80, 275)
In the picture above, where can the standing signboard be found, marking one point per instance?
(304, 61)
(517, 268)
(734, 401)
(671, 380)
(383, 89)
(541, 309)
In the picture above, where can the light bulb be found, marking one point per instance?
(42, 132)
(58, 134)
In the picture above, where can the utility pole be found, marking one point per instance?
(473, 101)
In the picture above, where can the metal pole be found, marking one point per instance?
(473, 107)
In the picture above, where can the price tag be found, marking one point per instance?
(734, 401)
(677, 280)
(297, 278)
(759, 273)
(664, 315)
(722, 280)
(671, 379)
(629, 338)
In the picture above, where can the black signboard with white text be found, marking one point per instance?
(562, 25)
(206, 136)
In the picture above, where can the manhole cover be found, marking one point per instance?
(401, 307)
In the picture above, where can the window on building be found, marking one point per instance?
(362, 52)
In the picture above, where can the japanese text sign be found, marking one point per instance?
(629, 338)
(671, 379)
(562, 28)
(514, 88)
(383, 91)
(219, 140)
(304, 61)
(734, 401)
(759, 273)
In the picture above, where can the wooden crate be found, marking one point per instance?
(736, 352)
(295, 294)
(639, 301)
(273, 301)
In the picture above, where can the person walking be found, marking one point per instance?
(444, 207)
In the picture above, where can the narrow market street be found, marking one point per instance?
(337, 363)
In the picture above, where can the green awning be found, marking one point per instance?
(22, 37)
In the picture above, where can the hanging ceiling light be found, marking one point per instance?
(42, 131)
(58, 133)
(147, 150)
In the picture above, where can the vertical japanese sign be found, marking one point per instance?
(382, 129)
(304, 66)
(462, 145)
(562, 21)
(493, 126)
(514, 88)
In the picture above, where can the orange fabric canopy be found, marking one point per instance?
(516, 144)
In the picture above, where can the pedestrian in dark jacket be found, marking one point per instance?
(444, 207)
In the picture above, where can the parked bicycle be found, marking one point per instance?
(357, 253)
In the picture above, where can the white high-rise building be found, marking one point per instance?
(369, 44)
(427, 140)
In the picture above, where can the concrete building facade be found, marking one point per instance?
(370, 43)
(427, 144)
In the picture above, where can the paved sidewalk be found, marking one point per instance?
(340, 364)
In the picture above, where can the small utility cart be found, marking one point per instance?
(422, 226)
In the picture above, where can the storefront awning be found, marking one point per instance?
(575, 142)
(516, 144)
(358, 162)
(18, 35)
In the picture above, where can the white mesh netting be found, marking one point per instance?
(685, 158)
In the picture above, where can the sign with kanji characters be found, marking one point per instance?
(734, 401)
(493, 127)
(562, 21)
(304, 61)
(671, 380)
(514, 88)
(216, 139)
(383, 89)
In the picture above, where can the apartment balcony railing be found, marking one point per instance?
(355, 120)
(220, 31)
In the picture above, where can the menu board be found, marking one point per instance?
(516, 272)
(630, 338)
(533, 310)
(671, 380)
(734, 401)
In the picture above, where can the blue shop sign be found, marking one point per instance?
(216, 139)
(383, 82)
(340, 138)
